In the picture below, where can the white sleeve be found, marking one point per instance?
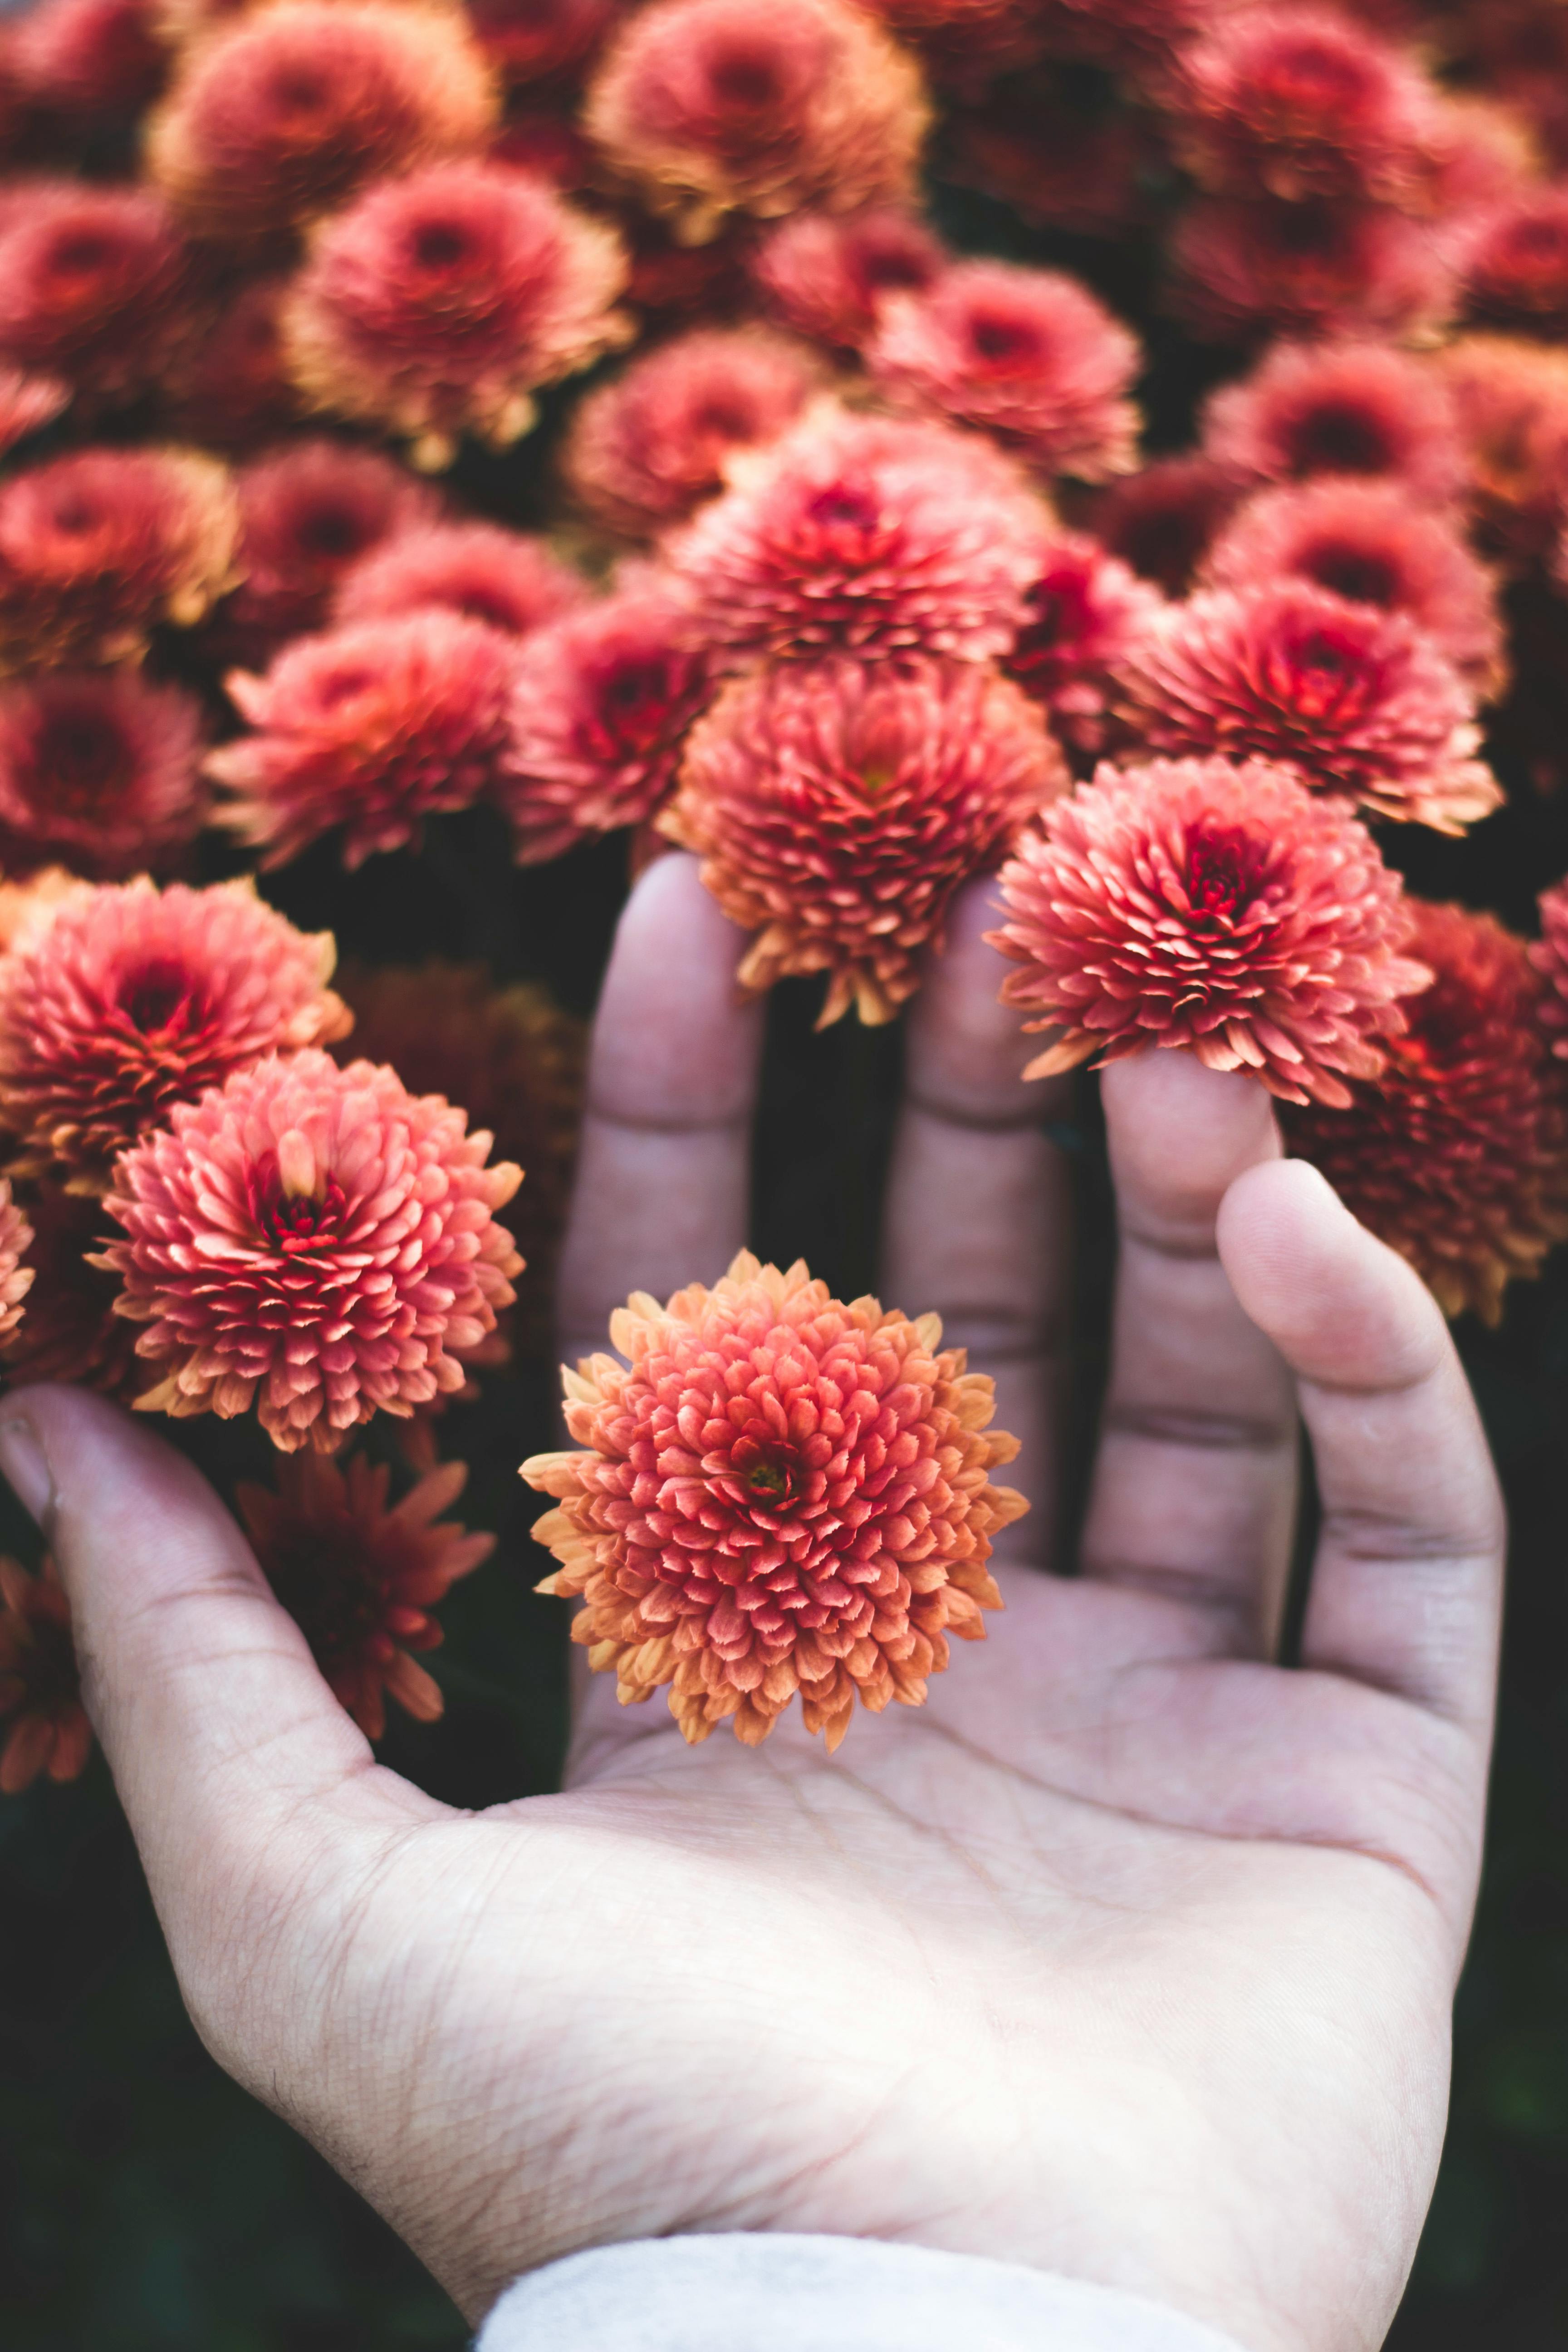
(762, 2293)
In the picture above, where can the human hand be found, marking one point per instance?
(1129, 1955)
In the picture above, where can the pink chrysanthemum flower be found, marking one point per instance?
(836, 806)
(1247, 268)
(94, 286)
(761, 1417)
(27, 404)
(370, 728)
(1221, 908)
(646, 448)
(87, 63)
(99, 769)
(362, 1581)
(15, 1278)
(503, 578)
(1355, 700)
(1161, 520)
(231, 389)
(98, 547)
(865, 533)
(41, 1715)
(1457, 1154)
(439, 304)
(601, 706)
(1086, 612)
(710, 107)
(1373, 543)
(534, 41)
(71, 1331)
(1515, 269)
(313, 1240)
(130, 1000)
(1510, 402)
(307, 511)
(1300, 101)
(828, 274)
(1026, 355)
(1339, 408)
(286, 114)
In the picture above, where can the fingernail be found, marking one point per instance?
(27, 1468)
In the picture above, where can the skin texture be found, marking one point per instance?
(1130, 1955)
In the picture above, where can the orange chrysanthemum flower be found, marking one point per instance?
(95, 287)
(783, 1494)
(1192, 902)
(307, 511)
(838, 805)
(1456, 1155)
(709, 107)
(129, 1000)
(360, 1580)
(503, 578)
(15, 1278)
(41, 1715)
(70, 1330)
(99, 768)
(1339, 407)
(828, 274)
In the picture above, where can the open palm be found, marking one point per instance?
(1129, 1955)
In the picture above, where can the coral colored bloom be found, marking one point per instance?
(503, 578)
(370, 729)
(94, 287)
(601, 706)
(866, 532)
(1300, 101)
(1160, 521)
(1086, 612)
(1339, 408)
(828, 274)
(1373, 543)
(439, 304)
(1515, 271)
(42, 1718)
(1026, 355)
(97, 547)
(1457, 1154)
(16, 1279)
(230, 389)
(710, 107)
(1510, 402)
(838, 805)
(87, 63)
(129, 1000)
(27, 403)
(360, 1580)
(286, 114)
(1221, 908)
(1247, 267)
(534, 41)
(1354, 700)
(781, 1494)
(646, 448)
(307, 511)
(99, 769)
(314, 1239)
(70, 1330)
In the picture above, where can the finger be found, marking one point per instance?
(978, 1206)
(1194, 1484)
(663, 1174)
(1406, 1590)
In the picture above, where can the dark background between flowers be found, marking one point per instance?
(146, 2205)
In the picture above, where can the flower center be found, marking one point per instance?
(438, 245)
(324, 1578)
(1339, 439)
(82, 755)
(85, 253)
(766, 1473)
(746, 79)
(157, 998)
(1223, 870)
(1002, 341)
(1354, 572)
(333, 530)
(296, 1205)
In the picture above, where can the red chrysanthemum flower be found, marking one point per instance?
(503, 578)
(27, 403)
(308, 512)
(439, 304)
(130, 1000)
(1339, 408)
(15, 1278)
(1515, 269)
(1300, 101)
(710, 107)
(360, 1580)
(1160, 521)
(1372, 544)
(288, 113)
(601, 706)
(1510, 402)
(87, 63)
(1456, 1155)
(370, 729)
(534, 41)
(1026, 355)
(836, 806)
(314, 1239)
(231, 389)
(866, 532)
(94, 286)
(828, 274)
(781, 1494)
(1248, 268)
(71, 1331)
(41, 1713)
(1086, 612)
(98, 547)
(1549, 957)
(1192, 902)
(646, 448)
(1355, 700)
(99, 769)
